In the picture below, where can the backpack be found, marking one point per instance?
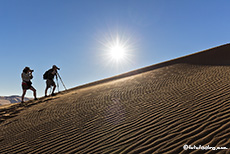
(45, 75)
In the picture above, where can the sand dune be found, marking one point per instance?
(157, 109)
(7, 100)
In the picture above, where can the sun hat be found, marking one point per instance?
(55, 67)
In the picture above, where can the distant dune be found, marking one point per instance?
(163, 108)
(6, 100)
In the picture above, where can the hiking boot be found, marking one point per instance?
(35, 99)
(53, 94)
(22, 103)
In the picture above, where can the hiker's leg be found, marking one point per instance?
(47, 86)
(34, 90)
(54, 87)
(23, 94)
(52, 83)
(46, 90)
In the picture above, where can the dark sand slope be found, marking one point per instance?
(157, 109)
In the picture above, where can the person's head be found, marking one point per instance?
(27, 69)
(55, 67)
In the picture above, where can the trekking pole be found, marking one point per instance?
(61, 81)
(57, 83)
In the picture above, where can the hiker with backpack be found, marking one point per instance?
(26, 83)
(49, 77)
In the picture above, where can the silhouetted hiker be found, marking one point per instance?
(26, 83)
(49, 77)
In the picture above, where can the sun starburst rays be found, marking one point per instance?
(117, 51)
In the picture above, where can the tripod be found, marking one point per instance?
(58, 76)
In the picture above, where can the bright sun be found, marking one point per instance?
(117, 52)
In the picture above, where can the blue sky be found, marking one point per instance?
(76, 35)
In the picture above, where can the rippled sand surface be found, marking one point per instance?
(154, 111)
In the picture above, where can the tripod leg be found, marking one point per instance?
(57, 83)
(61, 81)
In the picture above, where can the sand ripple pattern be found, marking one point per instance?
(153, 112)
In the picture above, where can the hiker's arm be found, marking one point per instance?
(54, 72)
(30, 75)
